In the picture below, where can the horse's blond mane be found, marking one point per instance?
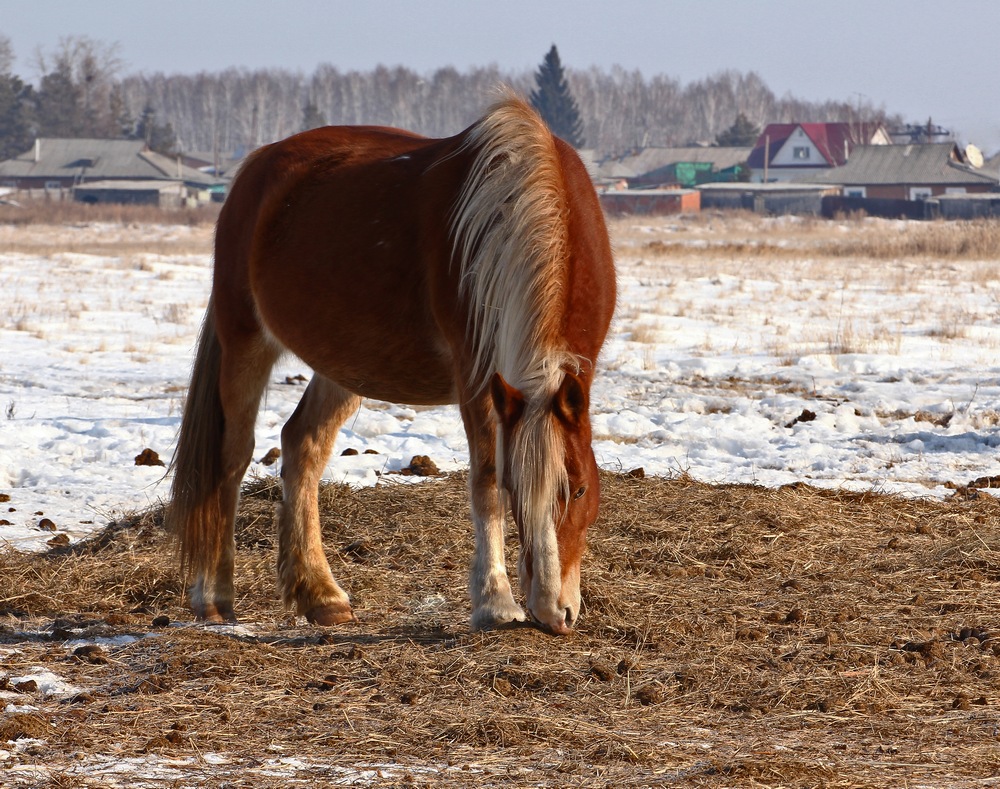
(510, 236)
(511, 241)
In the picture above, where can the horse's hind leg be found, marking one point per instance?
(304, 576)
(493, 603)
(245, 364)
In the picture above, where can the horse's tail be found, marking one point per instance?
(195, 514)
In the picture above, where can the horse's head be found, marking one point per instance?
(547, 468)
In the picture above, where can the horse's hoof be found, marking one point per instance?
(215, 614)
(493, 620)
(331, 614)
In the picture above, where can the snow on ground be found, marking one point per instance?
(714, 367)
(838, 372)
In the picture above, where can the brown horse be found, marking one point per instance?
(473, 270)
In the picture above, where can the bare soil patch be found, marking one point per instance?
(731, 636)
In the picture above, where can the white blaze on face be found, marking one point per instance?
(541, 576)
(531, 461)
(552, 600)
(537, 480)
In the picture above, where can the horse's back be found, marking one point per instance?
(273, 172)
(341, 241)
(338, 233)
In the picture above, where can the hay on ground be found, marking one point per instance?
(731, 635)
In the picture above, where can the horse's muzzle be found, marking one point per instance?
(560, 623)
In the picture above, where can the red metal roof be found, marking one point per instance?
(829, 139)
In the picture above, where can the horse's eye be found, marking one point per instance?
(580, 492)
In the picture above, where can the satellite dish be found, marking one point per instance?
(974, 155)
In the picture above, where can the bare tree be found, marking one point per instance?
(6, 55)
(92, 67)
(621, 110)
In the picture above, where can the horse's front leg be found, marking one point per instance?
(493, 602)
(304, 576)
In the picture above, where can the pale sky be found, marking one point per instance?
(920, 58)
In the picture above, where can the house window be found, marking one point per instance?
(53, 184)
(854, 191)
(919, 192)
(800, 153)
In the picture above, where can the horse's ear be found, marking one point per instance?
(570, 402)
(508, 401)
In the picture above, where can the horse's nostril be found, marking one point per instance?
(569, 617)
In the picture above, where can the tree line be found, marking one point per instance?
(81, 92)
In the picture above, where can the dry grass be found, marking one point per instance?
(736, 236)
(53, 226)
(61, 212)
(731, 635)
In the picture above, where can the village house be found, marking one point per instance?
(658, 181)
(684, 166)
(909, 172)
(799, 151)
(59, 166)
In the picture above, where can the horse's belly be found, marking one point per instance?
(372, 356)
(417, 379)
(350, 295)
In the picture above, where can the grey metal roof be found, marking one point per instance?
(98, 159)
(992, 164)
(930, 163)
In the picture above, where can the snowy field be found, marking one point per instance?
(725, 362)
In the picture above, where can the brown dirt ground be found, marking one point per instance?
(731, 636)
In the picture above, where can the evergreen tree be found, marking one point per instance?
(741, 134)
(555, 103)
(15, 116)
(75, 97)
(159, 138)
(59, 108)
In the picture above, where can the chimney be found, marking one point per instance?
(38, 149)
